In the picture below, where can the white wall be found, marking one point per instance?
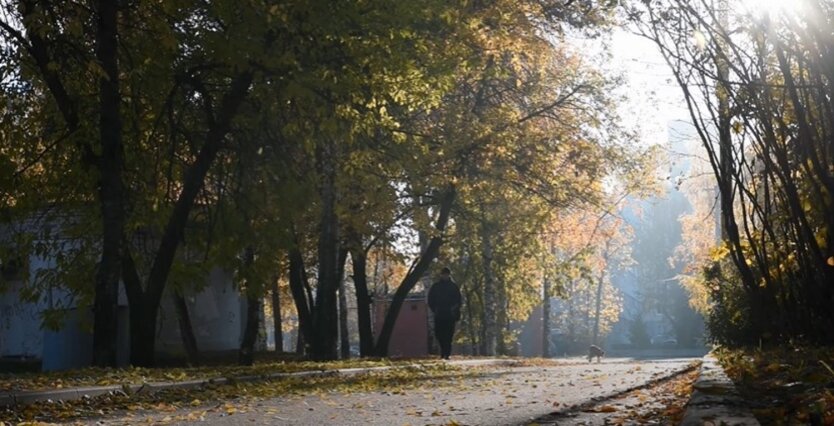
(20, 322)
(20, 332)
(216, 315)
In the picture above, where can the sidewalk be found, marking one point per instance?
(11, 398)
(715, 399)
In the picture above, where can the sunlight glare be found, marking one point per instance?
(768, 8)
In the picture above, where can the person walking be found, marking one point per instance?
(444, 302)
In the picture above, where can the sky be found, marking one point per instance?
(651, 98)
(654, 98)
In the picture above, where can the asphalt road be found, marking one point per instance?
(501, 396)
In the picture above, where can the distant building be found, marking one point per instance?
(217, 311)
(411, 332)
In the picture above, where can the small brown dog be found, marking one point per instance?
(595, 351)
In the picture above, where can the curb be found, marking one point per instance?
(8, 399)
(715, 399)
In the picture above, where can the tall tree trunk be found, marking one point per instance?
(189, 341)
(546, 318)
(325, 317)
(727, 170)
(111, 164)
(246, 354)
(490, 296)
(431, 339)
(501, 318)
(142, 330)
(276, 317)
(324, 345)
(142, 321)
(344, 337)
(725, 142)
(299, 343)
(418, 269)
(303, 307)
(148, 299)
(598, 308)
(363, 301)
(474, 338)
(260, 340)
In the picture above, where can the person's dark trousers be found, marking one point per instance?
(444, 330)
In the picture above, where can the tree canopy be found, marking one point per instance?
(282, 139)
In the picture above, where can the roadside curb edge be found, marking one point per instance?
(715, 399)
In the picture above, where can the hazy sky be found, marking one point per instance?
(652, 97)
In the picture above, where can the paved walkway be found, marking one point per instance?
(25, 397)
(501, 396)
(716, 400)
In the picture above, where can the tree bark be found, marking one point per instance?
(246, 354)
(502, 324)
(324, 345)
(426, 280)
(299, 343)
(147, 300)
(546, 318)
(298, 278)
(276, 317)
(344, 337)
(260, 339)
(111, 165)
(490, 302)
(363, 301)
(598, 308)
(142, 330)
(189, 341)
(416, 273)
(474, 336)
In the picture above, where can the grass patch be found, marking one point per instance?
(789, 385)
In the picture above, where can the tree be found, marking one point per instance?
(254, 130)
(179, 81)
(760, 81)
(37, 39)
(588, 250)
(277, 321)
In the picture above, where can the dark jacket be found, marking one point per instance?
(444, 300)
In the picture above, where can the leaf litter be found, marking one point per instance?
(235, 398)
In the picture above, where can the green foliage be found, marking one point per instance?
(358, 117)
(729, 320)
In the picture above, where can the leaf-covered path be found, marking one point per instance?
(496, 396)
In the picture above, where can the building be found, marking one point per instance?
(411, 337)
(216, 308)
